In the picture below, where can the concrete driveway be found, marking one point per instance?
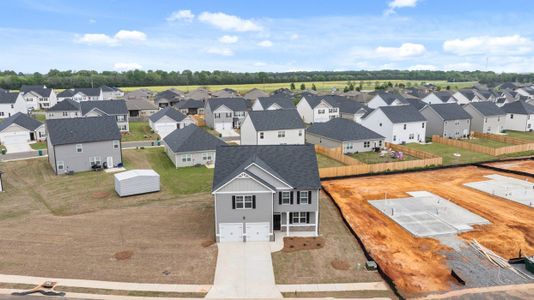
(244, 270)
(18, 148)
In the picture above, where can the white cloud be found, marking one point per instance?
(465, 66)
(229, 39)
(185, 15)
(220, 51)
(394, 4)
(265, 43)
(294, 37)
(259, 64)
(127, 66)
(406, 50)
(494, 45)
(423, 67)
(104, 39)
(229, 22)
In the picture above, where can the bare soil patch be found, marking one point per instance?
(303, 243)
(522, 165)
(340, 264)
(123, 255)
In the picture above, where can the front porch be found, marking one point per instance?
(296, 223)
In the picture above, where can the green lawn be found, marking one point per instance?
(38, 145)
(39, 117)
(374, 158)
(324, 161)
(447, 153)
(487, 143)
(139, 131)
(211, 131)
(528, 136)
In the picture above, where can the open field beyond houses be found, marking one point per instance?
(77, 227)
(419, 265)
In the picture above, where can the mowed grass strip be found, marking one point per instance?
(527, 136)
(324, 161)
(139, 131)
(487, 143)
(375, 158)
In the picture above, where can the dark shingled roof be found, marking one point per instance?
(343, 130)
(169, 112)
(450, 111)
(294, 164)
(22, 120)
(66, 105)
(92, 92)
(190, 103)
(487, 108)
(283, 101)
(264, 120)
(391, 97)
(82, 130)
(235, 104)
(110, 107)
(41, 90)
(402, 113)
(520, 107)
(469, 94)
(344, 104)
(8, 98)
(443, 95)
(191, 139)
(417, 103)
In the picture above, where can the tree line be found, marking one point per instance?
(86, 78)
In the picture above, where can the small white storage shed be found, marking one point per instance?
(135, 182)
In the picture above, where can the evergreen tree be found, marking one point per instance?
(314, 87)
(292, 86)
(302, 86)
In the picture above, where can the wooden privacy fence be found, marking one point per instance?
(355, 167)
(483, 149)
(500, 138)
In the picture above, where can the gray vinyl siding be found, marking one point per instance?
(456, 128)
(357, 146)
(79, 162)
(296, 207)
(437, 126)
(51, 155)
(319, 140)
(479, 123)
(196, 158)
(208, 116)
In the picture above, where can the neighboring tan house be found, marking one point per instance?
(20, 128)
(111, 93)
(447, 119)
(225, 93)
(190, 146)
(273, 127)
(81, 94)
(114, 108)
(261, 191)
(467, 96)
(486, 117)
(273, 103)
(254, 94)
(439, 97)
(198, 94)
(386, 99)
(519, 116)
(67, 108)
(225, 113)
(81, 144)
(317, 109)
(167, 120)
(526, 91)
(398, 124)
(140, 108)
(11, 103)
(351, 136)
(38, 96)
(139, 94)
(191, 107)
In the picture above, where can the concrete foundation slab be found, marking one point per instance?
(517, 190)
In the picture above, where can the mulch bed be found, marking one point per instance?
(339, 264)
(123, 255)
(302, 243)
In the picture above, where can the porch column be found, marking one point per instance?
(317, 223)
(287, 223)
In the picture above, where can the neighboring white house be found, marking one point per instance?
(386, 99)
(486, 117)
(526, 91)
(21, 129)
(111, 93)
(467, 96)
(519, 116)
(273, 103)
(167, 120)
(81, 94)
(114, 108)
(438, 97)
(11, 103)
(273, 127)
(67, 108)
(38, 96)
(317, 109)
(398, 124)
(224, 114)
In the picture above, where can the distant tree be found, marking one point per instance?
(351, 86)
(314, 87)
(292, 86)
(448, 87)
(438, 88)
(346, 89)
(302, 86)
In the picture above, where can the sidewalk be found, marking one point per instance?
(23, 155)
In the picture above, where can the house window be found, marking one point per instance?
(411, 136)
(380, 143)
(485, 120)
(332, 110)
(300, 217)
(123, 128)
(422, 125)
(511, 116)
(95, 161)
(380, 124)
(394, 138)
(229, 115)
(404, 126)
(79, 148)
(115, 144)
(1, 113)
(303, 197)
(243, 202)
(186, 157)
(286, 197)
(321, 111)
(300, 132)
(65, 114)
(366, 144)
(349, 146)
(261, 135)
(60, 166)
(120, 118)
(217, 116)
(281, 134)
(206, 156)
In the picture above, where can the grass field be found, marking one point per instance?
(447, 153)
(38, 145)
(139, 131)
(321, 85)
(324, 161)
(487, 143)
(528, 136)
(374, 158)
(39, 117)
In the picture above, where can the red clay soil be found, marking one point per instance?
(415, 264)
(522, 165)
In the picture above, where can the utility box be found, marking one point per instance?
(135, 182)
(529, 263)
(370, 265)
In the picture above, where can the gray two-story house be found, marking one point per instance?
(260, 191)
(486, 117)
(225, 113)
(81, 144)
(114, 108)
(449, 120)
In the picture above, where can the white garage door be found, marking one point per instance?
(223, 126)
(164, 129)
(258, 231)
(18, 138)
(230, 232)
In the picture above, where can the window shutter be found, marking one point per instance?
(291, 198)
(233, 202)
(298, 197)
(280, 198)
(254, 201)
(309, 197)
(290, 218)
(308, 217)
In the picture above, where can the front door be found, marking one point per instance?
(109, 161)
(276, 222)
(32, 136)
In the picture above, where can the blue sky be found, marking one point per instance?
(240, 35)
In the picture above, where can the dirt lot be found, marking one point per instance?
(72, 226)
(315, 266)
(413, 263)
(522, 165)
